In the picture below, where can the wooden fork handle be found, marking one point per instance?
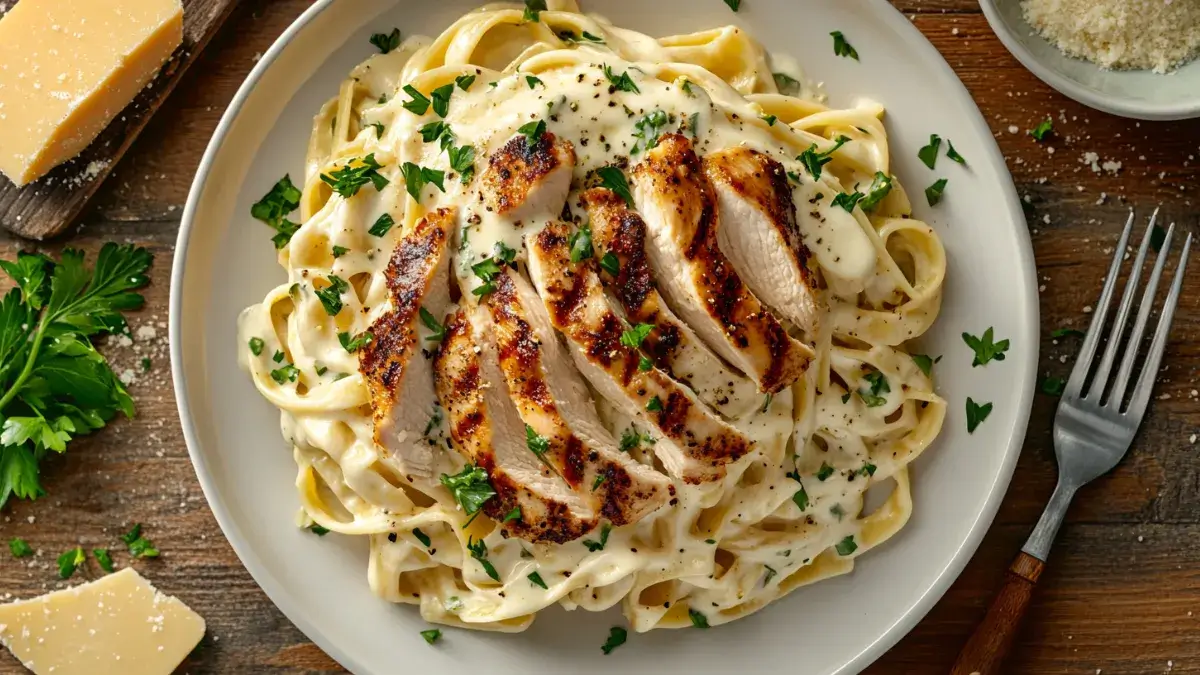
(984, 653)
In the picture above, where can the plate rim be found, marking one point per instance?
(282, 598)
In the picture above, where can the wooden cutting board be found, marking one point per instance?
(46, 207)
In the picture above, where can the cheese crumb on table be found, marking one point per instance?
(116, 625)
(1158, 35)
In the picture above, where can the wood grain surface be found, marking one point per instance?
(1121, 595)
(50, 204)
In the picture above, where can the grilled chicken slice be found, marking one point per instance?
(695, 444)
(678, 204)
(524, 181)
(557, 408)
(395, 366)
(486, 428)
(673, 346)
(759, 233)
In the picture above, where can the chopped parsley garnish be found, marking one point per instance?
(933, 193)
(538, 445)
(786, 84)
(570, 36)
(1060, 333)
(976, 414)
(1040, 131)
(614, 179)
(953, 154)
(632, 439)
(824, 472)
(515, 514)
(386, 42)
(470, 488)
(436, 330)
(256, 346)
(880, 187)
(594, 546)
(279, 356)
(846, 397)
(846, 546)
(419, 104)
(464, 82)
(694, 125)
(770, 119)
(647, 130)
(486, 271)
(766, 403)
(479, 552)
(358, 342)
(611, 264)
(382, 225)
(868, 470)
(645, 364)
(331, 295)
(838, 511)
(462, 160)
(68, 561)
(379, 129)
(873, 395)
(454, 604)
(432, 131)
(924, 362)
(634, 337)
(600, 478)
(621, 82)
(848, 200)
(841, 47)
(422, 537)
(581, 244)
(616, 634)
(532, 131)
(103, 558)
(536, 579)
(1054, 386)
(339, 251)
(985, 349)
(432, 635)
(348, 180)
(771, 574)
(532, 9)
(283, 198)
(321, 370)
(813, 160)
(417, 177)
(288, 373)
(318, 530)
(735, 5)
(139, 546)
(20, 548)
(801, 496)
(655, 405)
(533, 81)
(698, 619)
(441, 99)
(929, 154)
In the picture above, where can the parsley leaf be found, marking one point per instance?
(283, 198)
(464, 82)
(1040, 132)
(538, 445)
(735, 5)
(873, 395)
(698, 619)
(441, 99)
(379, 129)
(634, 337)
(70, 560)
(432, 635)
(570, 36)
(20, 548)
(1054, 386)
(953, 154)
(432, 131)
(331, 295)
(611, 264)
(824, 472)
(632, 439)
(841, 47)
(985, 349)
(1060, 333)
(256, 346)
(462, 160)
(536, 579)
(417, 177)
(786, 84)
(976, 414)
(655, 405)
(348, 180)
(533, 81)
(813, 161)
(318, 530)
(436, 330)
(422, 537)
(339, 251)
(419, 104)
(358, 342)
(929, 154)
(933, 193)
(139, 546)
(801, 496)
(103, 558)
(532, 131)
(647, 130)
(386, 42)
(470, 488)
(846, 546)
(769, 119)
(515, 514)
(924, 362)
(614, 179)
(616, 634)
(479, 552)
(848, 200)
(594, 546)
(645, 364)
(880, 188)
(532, 9)
(581, 244)
(620, 82)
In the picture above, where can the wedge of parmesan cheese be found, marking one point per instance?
(68, 67)
(118, 624)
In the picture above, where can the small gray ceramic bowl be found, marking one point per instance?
(1137, 94)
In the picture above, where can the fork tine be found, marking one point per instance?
(1100, 381)
(1145, 382)
(1117, 393)
(1087, 353)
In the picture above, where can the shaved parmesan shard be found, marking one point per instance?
(118, 624)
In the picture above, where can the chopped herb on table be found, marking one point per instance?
(1040, 132)
(1054, 386)
(318, 530)
(69, 561)
(20, 548)
(139, 546)
(104, 559)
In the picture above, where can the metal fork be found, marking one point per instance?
(1093, 430)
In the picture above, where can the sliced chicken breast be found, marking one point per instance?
(555, 404)
(674, 347)
(395, 364)
(759, 234)
(680, 210)
(486, 428)
(524, 181)
(695, 444)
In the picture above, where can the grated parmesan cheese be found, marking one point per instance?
(1120, 34)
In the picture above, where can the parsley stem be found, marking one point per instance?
(38, 336)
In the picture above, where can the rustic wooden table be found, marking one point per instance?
(1122, 586)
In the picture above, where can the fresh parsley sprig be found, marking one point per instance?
(56, 385)
(813, 160)
(985, 348)
(470, 487)
(348, 180)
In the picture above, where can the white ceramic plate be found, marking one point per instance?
(1138, 94)
(224, 262)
